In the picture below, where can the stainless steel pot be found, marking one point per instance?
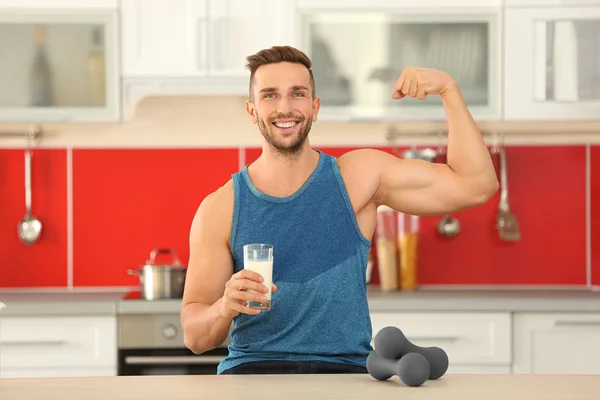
(161, 281)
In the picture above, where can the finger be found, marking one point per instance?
(242, 308)
(406, 86)
(421, 93)
(414, 87)
(246, 284)
(249, 274)
(397, 95)
(247, 296)
(273, 289)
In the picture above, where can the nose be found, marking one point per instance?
(284, 106)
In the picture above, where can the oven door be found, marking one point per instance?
(179, 361)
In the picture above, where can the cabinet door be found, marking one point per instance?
(59, 65)
(240, 28)
(552, 67)
(58, 342)
(470, 339)
(557, 343)
(358, 56)
(164, 38)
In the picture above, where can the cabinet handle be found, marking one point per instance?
(201, 49)
(33, 343)
(446, 338)
(540, 74)
(222, 46)
(166, 360)
(564, 322)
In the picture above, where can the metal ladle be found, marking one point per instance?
(448, 226)
(30, 227)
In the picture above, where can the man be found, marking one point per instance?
(319, 212)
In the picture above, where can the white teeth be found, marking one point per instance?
(285, 124)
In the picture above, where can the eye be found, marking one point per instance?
(299, 93)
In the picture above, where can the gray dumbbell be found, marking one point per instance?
(412, 368)
(391, 343)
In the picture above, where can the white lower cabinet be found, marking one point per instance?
(557, 343)
(53, 346)
(56, 372)
(475, 342)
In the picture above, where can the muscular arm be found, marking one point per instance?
(422, 188)
(209, 268)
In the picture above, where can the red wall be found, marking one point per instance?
(126, 202)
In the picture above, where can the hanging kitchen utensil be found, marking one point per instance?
(447, 226)
(506, 222)
(30, 227)
(161, 281)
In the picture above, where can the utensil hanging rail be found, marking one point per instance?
(31, 133)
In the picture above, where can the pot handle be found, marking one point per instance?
(133, 272)
(156, 252)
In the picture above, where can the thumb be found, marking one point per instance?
(274, 289)
(397, 95)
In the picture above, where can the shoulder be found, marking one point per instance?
(363, 163)
(215, 212)
(361, 172)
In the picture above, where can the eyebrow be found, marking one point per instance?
(274, 89)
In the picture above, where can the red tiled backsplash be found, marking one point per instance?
(127, 202)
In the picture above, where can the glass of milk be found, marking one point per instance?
(258, 257)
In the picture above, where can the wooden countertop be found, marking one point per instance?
(302, 387)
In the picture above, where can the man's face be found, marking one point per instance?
(283, 105)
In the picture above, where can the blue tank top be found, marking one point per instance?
(320, 310)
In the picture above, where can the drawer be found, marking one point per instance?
(469, 338)
(73, 341)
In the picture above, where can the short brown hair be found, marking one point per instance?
(277, 54)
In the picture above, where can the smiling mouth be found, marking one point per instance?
(285, 124)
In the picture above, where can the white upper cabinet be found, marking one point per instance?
(359, 52)
(59, 63)
(196, 46)
(197, 38)
(164, 38)
(240, 28)
(552, 62)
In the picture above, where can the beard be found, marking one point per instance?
(285, 147)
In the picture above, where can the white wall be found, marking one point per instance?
(223, 122)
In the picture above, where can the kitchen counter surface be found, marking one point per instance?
(486, 300)
(73, 303)
(265, 387)
(60, 303)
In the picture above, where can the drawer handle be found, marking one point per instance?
(166, 360)
(562, 322)
(440, 338)
(33, 343)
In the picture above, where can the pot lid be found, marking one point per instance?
(176, 263)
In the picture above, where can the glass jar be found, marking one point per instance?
(408, 235)
(387, 251)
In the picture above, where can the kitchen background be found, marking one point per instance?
(142, 115)
(134, 112)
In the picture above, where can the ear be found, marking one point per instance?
(251, 110)
(316, 107)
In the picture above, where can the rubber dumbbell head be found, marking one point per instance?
(412, 368)
(391, 343)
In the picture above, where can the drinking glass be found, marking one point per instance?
(258, 257)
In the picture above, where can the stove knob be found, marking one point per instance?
(169, 331)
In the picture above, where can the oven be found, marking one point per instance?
(152, 344)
